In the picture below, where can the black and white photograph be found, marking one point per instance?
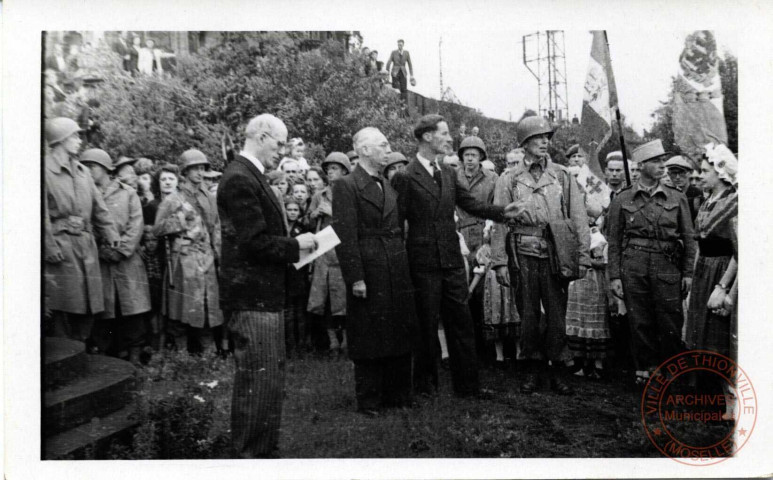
(422, 242)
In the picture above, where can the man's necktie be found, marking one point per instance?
(378, 182)
(438, 176)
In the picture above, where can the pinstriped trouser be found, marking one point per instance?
(256, 410)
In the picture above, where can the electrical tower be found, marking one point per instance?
(544, 56)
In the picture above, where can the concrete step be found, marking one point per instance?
(65, 360)
(92, 439)
(107, 386)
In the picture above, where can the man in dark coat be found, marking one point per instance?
(428, 192)
(255, 252)
(399, 59)
(381, 321)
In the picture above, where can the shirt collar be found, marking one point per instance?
(427, 164)
(254, 161)
(658, 188)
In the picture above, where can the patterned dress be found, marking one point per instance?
(704, 329)
(587, 315)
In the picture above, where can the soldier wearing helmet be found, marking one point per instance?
(193, 163)
(73, 210)
(396, 162)
(120, 329)
(543, 191)
(480, 182)
(327, 284)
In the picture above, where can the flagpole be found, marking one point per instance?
(619, 123)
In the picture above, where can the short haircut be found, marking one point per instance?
(288, 199)
(263, 123)
(289, 161)
(427, 123)
(358, 140)
(400, 40)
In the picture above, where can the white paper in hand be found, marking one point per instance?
(326, 241)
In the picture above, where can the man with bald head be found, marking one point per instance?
(256, 249)
(381, 318)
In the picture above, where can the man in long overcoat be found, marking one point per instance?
(256, 251)
(381, 313)
(427, 194)
(72, 209)
(124, 279)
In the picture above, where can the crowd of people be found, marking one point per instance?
(443, 262)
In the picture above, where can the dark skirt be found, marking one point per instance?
(705, 330)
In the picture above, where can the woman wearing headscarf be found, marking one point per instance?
(711, 326)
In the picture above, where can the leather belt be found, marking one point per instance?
(527, 230)
(71, 225)
(650, 244)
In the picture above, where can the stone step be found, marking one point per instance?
(107, 386)
(65, 360)
(91, 440)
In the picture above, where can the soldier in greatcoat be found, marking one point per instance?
(120, 328)
(381, 322)
(72, 209)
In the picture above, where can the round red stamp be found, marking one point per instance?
(699, 408)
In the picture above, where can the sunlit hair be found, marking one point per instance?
(296, 142)
(263, 123)
(360, 139)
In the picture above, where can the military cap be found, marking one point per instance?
(649, 151)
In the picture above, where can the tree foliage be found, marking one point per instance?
(322, 96)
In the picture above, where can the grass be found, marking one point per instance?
(319, 420)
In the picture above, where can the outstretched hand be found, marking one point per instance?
(359, 289)
(515, 209)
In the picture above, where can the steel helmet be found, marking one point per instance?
(395, 158)
(192, 157)
(98, 156)
(339, 158)
(59, 129)
(530, 126)
(472, 142)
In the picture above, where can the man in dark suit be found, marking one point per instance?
(381, 315)
(256, 249)
(428, 192)
(400, 58)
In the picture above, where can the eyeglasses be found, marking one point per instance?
(279, 143)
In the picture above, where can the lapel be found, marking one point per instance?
(262, 182)
(368, 188)
(423, 177)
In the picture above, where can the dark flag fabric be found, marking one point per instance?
(699, 117)
(599, 102)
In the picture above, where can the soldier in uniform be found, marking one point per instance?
(120, 329)
(543, 191)
(651, 253)
(480, 182)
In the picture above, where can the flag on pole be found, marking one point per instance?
(599, 102)
(699, 116)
